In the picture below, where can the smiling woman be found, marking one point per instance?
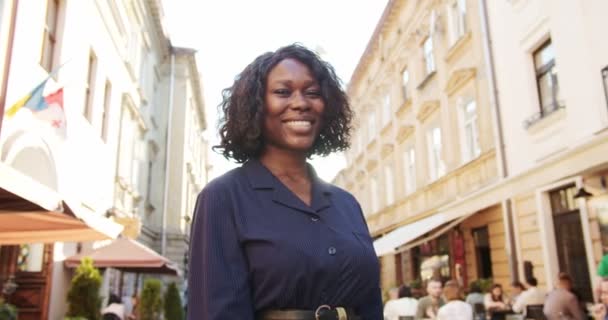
(270, 240)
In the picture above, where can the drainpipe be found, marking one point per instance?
(507, 210)
(167, 156)
(8, 55)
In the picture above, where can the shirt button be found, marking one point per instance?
(331, 251)
(314, 219)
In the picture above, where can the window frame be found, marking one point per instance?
(389, 184)
(49, 37)
(436, 162)
(472, 148)
(405, 83)
(387, 110)
(428, 55)
(542, 71)
(409, 166)
(371, 126)
(89, 95)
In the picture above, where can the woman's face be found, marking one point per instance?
(293, 107)
(497, 291)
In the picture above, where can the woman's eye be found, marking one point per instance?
(313, 93)
(282, 92)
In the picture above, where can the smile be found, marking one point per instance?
(299, 124)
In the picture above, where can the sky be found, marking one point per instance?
(229, 34)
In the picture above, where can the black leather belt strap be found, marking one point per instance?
(321, 314)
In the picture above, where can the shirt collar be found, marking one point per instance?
(261, 178)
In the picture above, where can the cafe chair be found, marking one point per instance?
(535, 312)
(479, 311)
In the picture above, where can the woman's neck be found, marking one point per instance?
(285, 164)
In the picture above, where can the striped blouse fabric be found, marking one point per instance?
(256, 246)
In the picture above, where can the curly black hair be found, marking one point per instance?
(242, 107)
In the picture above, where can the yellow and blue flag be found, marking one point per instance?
(33, 100)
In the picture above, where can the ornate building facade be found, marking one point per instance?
(120, 81)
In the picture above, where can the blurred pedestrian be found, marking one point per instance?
(532, 296)
(561, 303)
(403, 305)
(455, 308)
(429, 305)
(115, 309)
(270, 239)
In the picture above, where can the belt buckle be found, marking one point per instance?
(341, 312)
(321, 307)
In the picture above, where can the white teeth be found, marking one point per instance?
(299, 124)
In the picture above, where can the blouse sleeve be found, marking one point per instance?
(218, 284)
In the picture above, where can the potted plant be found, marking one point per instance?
(83, 296)
(173, 303)
(151, 303)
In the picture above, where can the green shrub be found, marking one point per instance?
(151, 303)
(173, 303)
(83, 295)
(7, 311)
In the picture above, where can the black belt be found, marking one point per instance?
(323, 312)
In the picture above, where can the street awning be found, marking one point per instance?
(402, 235)
(127, 255)
(416, 233)
(33, 213)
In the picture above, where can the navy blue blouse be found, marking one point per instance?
(256, 246)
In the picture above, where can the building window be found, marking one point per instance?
(386, 109)
(50, 35)
(388, 179)
(429, 58)
(458, 19)
(470, 131)
(105, 117)
(436, 165)
(482, 252)
(373, 184)
(605, 81)
(409, 161)
(546, 78)
(371, 126)
(89, 97)
(405, 78)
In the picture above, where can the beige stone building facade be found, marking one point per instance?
(425, 139)
(551, 81)
(474, 140)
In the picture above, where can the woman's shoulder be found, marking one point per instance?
(224, 182)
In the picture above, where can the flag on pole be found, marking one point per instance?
(31, 100)
(51, 110)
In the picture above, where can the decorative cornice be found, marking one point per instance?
(427, 109)
(458, 78)
(371, 164)
(386, 149)
(404, 108)
(130, 105)
(458, 48)
(404, 132)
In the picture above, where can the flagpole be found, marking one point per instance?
(8, 54)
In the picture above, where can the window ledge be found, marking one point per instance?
(461, 43)
(387, 127)
(426, 80)
(542, 120)
(403, 108)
